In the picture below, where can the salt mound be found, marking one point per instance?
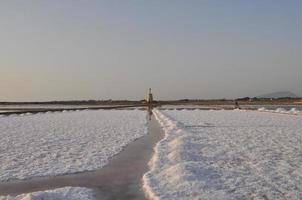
(280, 110)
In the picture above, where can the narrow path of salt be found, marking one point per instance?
(120, 179)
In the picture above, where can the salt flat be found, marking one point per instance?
(226, 155)
(64, 142)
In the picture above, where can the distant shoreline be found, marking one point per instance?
(242, 101)
(9, 108)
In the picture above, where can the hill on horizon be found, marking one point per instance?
(276, 95)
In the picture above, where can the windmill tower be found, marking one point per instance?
(150, 97)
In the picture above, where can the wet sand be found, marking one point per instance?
(120, 179)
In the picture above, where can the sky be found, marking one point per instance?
(78, 49)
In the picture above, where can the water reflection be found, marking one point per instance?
(150, 108)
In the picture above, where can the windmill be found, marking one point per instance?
(150, 97)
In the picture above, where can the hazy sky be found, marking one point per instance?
(62, 50)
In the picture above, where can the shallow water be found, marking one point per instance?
(120, 179)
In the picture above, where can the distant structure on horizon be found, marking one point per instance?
(150, 97)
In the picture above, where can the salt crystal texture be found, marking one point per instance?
(226, 155)
(66, 193)
(65, 142)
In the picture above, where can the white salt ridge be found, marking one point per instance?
(62, 143)
(293, 111)
(226, 155)
(66, 193)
